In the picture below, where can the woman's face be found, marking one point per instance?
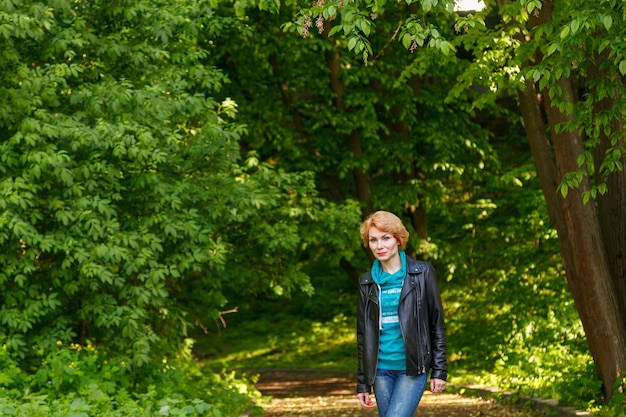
(383, 245)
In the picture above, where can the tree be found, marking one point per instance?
(582, 154)
(125, 206)
(311, 105)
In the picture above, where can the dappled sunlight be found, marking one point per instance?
(286, 344)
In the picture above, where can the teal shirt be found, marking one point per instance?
(391, 355)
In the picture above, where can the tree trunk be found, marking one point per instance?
(592, 282)
(583, 250)
(611, 206)
(353, 144)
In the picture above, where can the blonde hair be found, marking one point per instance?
(385, 222)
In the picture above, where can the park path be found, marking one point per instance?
(309, 393)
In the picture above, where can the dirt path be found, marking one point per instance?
(330, 394)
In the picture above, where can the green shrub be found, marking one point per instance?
(617, 405)
(77, 381)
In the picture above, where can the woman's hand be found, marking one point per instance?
(364, 399)
(437, 385)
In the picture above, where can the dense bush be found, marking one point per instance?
(127, 205)
(79, 381)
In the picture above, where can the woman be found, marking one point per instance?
(400, 326)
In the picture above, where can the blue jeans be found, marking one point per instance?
(397, 394)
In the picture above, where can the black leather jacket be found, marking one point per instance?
(421, 319)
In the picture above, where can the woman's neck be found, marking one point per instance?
(392, 265)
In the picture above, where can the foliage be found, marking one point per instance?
(583, 41)
(617, 405)
(328, 112)
(123, 195)
(79, 381)
(584, 34)
(578, 43)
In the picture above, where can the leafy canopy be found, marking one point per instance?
(123, 197)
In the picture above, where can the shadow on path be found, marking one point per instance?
(321, 393)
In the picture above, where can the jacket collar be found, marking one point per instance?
(415, 267)
(412, 267)
(366, 278)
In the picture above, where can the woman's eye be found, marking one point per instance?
(386, 237)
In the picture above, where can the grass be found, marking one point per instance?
(285, 342)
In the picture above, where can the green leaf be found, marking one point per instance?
(446, 47)
(575, 25)
(427, 5)
(407, 39)
(329, 11)
(552, 48)
(352, 42)
(366, 27)
(334, 30)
